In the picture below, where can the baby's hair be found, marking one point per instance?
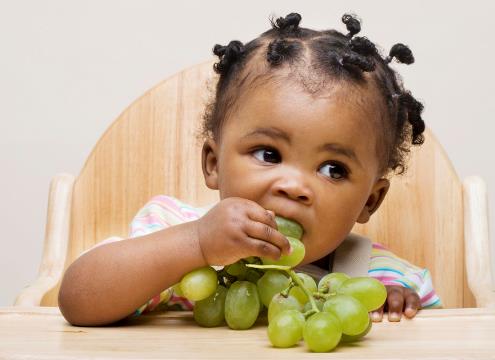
(331, 55)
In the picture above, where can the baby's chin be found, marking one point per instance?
(314, 255)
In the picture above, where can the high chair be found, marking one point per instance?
(429, 217)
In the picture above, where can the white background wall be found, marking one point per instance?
(69, 68)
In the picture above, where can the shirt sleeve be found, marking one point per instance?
(390, 269)
(158, 213)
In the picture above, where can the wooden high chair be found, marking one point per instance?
(428, 217)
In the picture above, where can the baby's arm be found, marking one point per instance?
(109, 282)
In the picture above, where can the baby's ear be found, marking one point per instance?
(209, 162)
(374, 201)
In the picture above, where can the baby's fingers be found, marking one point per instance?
(413, 303)
(263, 229)
(262, 248)
(395, 302)
(377, 315)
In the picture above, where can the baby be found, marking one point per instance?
(305, 124)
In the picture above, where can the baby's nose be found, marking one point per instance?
(295, 189)
(302, 198)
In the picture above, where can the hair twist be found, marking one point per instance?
(402, 53)
(352, 24)
(289, 23)
(413, 108)
(349, 61)
(280, 50)
(228, 55)
(362, 46)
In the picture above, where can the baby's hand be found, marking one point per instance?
(237, 228)
(398, 298)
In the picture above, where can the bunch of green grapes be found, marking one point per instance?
(336, 310)
(324, 315)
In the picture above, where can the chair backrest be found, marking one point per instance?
(151, 149)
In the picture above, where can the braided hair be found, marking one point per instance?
(332, 54)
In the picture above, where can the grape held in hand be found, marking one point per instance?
(289, 227)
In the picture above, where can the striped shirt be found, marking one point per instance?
(164, 211)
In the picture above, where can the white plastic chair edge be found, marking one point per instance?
(477, 241)
(55, 244)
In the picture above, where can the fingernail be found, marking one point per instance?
(394, 317)
(375, 316)
(290, 250)
(409, 312)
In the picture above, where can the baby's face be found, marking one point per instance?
(312, 160)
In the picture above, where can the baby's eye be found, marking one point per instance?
(335, 170)
(267, 155)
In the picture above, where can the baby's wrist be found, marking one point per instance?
(196, 242)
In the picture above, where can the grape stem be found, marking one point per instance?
(285, 292)
(275, 267)
(321, 295)
(297, 280)
(308, 293)
(309, 313)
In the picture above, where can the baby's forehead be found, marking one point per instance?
(289, 89)
(292, 107)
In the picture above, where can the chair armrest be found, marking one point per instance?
(55, 244)
(477, 241)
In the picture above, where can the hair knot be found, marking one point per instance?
(289, 23)
(402, 53)
(355, 60)
(352, 24)
(228, 55)
(280, 50)
(362, 46)
(413, 109)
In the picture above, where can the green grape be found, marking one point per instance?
(237, 269)
(352, 338)
(199, 284)
(352, 314)
(177, 290)
(332, 281)
(253, 275)
(299, 293)
(251, 259)
(369, 291)
(292, 259)
(271, 283)
(322, 332)
(319, 305)
(280, 303)
(242, 305)
(286, 328)
(289, 227)
(210, 312)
